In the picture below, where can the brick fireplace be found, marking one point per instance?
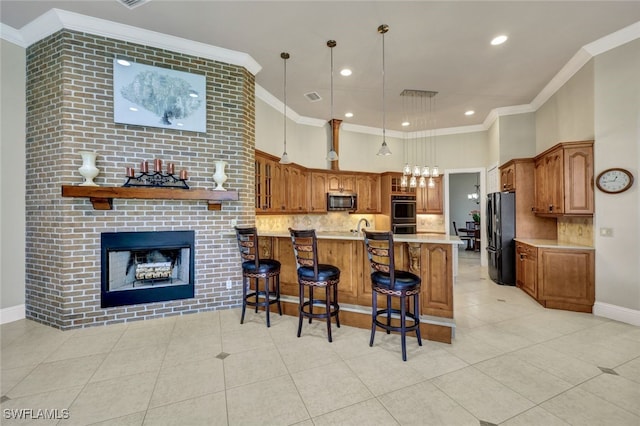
(69, 109)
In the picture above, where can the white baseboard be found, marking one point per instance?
(618, 313)
(13, 313)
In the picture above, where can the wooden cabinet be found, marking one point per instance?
(368, 190)
(564, 180)
(508, 177)
(341, 182)
(318, 192)
(294, 185)
(566, 279)
(558, 278)
(265, 174)
(526, 269)
(429, 199)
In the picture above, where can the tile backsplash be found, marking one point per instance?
(576, 230)
(337, 221)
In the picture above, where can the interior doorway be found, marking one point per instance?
(465, 194)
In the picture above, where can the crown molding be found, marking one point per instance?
(613, 40)
(56, 19)
(12, 35)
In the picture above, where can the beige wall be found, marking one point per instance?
(12, 175)
(517, 136)
(617, 136)
(568, 114)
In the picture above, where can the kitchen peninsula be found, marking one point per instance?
(431, 256)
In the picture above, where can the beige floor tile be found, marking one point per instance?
(56, 403)
(185, 381)
(563, 366)
(391, 343)
(498, 338)
(484, 397)
(134, 419)
(382, 372)
(182, 350)
(609, 356)
(435, 361)
(58, 375)
(247, 367)
(425, 404)
(330, 387)
(369, 412)
(579, 407)
(617, 390)
(272, 402)
(529, 381)
(196, 325)
(630, 370)
(29, 352)
(308, 352)
(533, 417)
(157, 333)
(248, 337)
(354, 342)
(471, 350)
(209, 410)
(130, 361)
(112, 399)
(535, 328)
(11, 377)
(80, 345)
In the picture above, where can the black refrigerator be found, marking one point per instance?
(501, 231)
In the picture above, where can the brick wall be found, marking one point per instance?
(69, 109)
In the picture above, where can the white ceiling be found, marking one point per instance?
(436, 46)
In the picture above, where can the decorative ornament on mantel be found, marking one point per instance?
(219, 176)
(88, 170)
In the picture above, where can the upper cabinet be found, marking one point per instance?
(264, 186)
(294, 189)
(564, 180)
(318, 192)
(337, 182)
(429, 199)
(508, 176)
(368, 190)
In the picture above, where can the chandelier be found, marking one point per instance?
(332, 155)
(384, 148)
(415, 175)
(285, 157)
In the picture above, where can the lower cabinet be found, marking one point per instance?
(557, 278)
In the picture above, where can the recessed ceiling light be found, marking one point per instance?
(123, 62)
(499, 40)
(405, 123)
(470, 112)
(134, 109)
(349, 115)
(345, 72)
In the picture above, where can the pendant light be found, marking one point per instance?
(332, 155)
(285, 157)
(384, 149)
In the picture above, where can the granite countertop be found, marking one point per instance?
(535, 242)
(401, 238)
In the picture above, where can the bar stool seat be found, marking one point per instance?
(312, 274)
(255, 268)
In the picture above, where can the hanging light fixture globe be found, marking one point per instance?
(332, 155)
(285, 157)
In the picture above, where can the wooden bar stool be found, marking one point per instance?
(312, 274)
(255, 268)
(389, 282)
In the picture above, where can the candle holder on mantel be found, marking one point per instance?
(157, 179)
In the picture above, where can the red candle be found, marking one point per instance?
(144, 167)
(183, 174)
(171, 169)
(157, 165)
(129, 171)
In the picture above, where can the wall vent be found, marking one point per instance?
(313, 96)
(132, 4)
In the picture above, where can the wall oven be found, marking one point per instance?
(403, 214)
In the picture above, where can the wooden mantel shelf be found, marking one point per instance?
(102, 196)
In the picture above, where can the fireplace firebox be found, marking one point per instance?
(145, 267)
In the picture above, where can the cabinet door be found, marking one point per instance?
(294, 190)
(318, 192)
(566, 278)
(436, 296)
(578, 180)
(429, 199)
(343, 255)
(507, 177)
(368, 190)
(341, 182)
(526, 269)
(264, 184)
(549, 178)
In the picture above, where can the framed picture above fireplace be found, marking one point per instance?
(145, 95)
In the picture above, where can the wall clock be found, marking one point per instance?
(614, 181)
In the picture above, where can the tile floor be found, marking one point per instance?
(512, 363)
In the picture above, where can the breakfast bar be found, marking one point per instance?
(431, 256)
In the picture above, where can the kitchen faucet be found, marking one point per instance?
(366, 224)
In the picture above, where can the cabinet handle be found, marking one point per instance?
(550, 207)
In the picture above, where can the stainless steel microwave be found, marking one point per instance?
(342, 201)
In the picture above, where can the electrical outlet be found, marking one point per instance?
(606, 232)
(234, 222)
(229, 284)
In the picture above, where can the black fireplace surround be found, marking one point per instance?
(145, 267)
